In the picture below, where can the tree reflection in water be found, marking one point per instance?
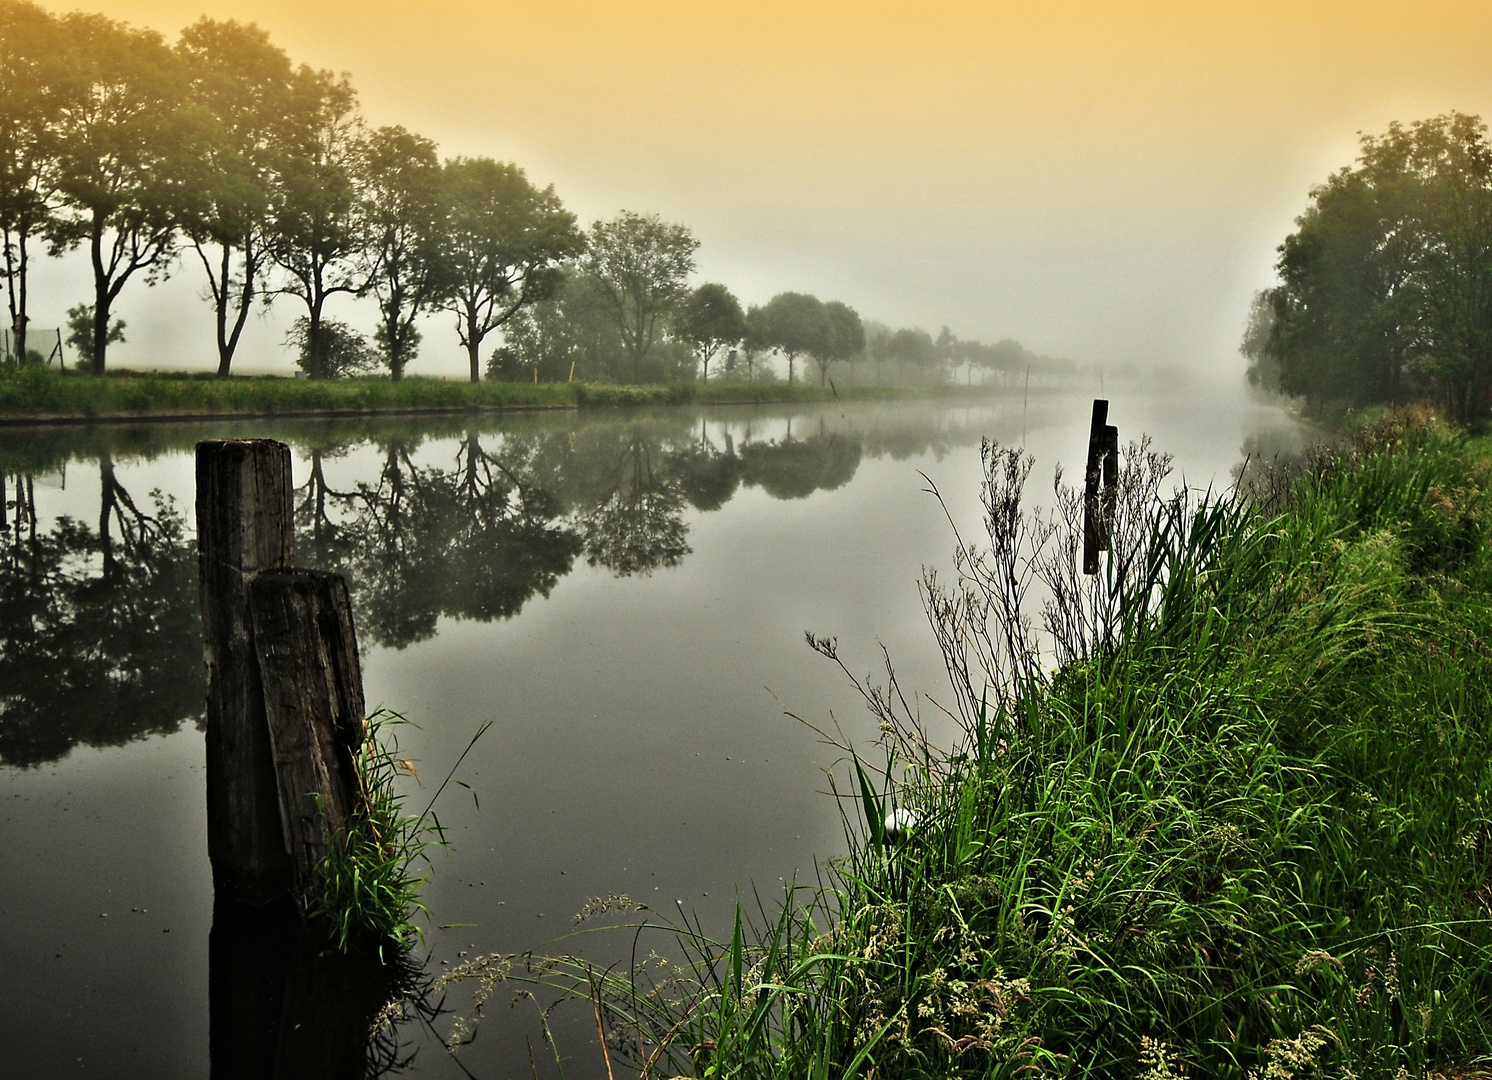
(100, 641)
(472, 542)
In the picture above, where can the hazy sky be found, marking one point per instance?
(1101, 180)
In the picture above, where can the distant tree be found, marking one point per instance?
(641, 263)
(911, 346)
(33, 80)
(505, 242)
(125, 151)
(710, 319)
(405, 260)
(845, 339)
(794, 324)
(338, 349)
(1260, 344)
(754, 344)
(319, 236)
(80, 331)
(571, 331)
(239, 93)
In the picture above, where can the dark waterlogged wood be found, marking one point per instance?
(313, 703)
(244, 526)
(1092, 526)
(1103, 466)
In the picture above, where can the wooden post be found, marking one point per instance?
(1092, 527)
(313, 702)
(244, 527)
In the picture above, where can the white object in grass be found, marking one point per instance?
(899, 823)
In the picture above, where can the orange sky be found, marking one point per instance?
(1102, 180)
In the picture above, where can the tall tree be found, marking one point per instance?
(239, 88)
(125, 152)
(1386, 284)
(845, 338)
(710, 319)
(795, 324)
(911, 346)
(641, 263)
(32, 82)
(319, 236)
(505, 241)
(406, 266)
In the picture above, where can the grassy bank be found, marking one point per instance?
(1240, 824)
(41, 394)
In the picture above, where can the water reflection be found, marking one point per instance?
(99, 636)
(281, 1007)
(100, 641)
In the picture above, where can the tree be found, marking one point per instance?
(319, 236)
(910, 346)
(405, 264)
(32, 82)
(846, 337)
(571, 332)
(125, 153)
(80, 324)
(795, 324)
(339, 350)
(1386, 284)
(504, 243)
(641, 263)
(239, 89)
(710, 319)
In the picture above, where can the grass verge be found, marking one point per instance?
(1240, 825)
(41, 394)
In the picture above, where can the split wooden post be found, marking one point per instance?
(313, 702)
(1103, 466)
(244, 526)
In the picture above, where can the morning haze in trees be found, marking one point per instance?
(405, 264)
(1386, 284)
(32, 66)
(239, 93)
(710, 319)
(505, 241)
(125, 151)
(319, 232)
(640, 263)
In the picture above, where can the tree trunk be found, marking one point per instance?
(473, 353)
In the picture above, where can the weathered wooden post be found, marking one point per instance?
(1103, 466)
(284, 690)
(244, 527)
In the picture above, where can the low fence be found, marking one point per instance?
(46, 343)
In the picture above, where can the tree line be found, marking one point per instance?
(1385, 287)
(218, 151)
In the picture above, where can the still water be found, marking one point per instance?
(625, 595)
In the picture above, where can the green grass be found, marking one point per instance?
(367, 894)
(42, 393)
(1244, 830)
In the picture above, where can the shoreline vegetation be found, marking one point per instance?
(1228, 815)
(33, 395)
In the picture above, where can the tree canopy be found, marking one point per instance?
(1385, 287)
